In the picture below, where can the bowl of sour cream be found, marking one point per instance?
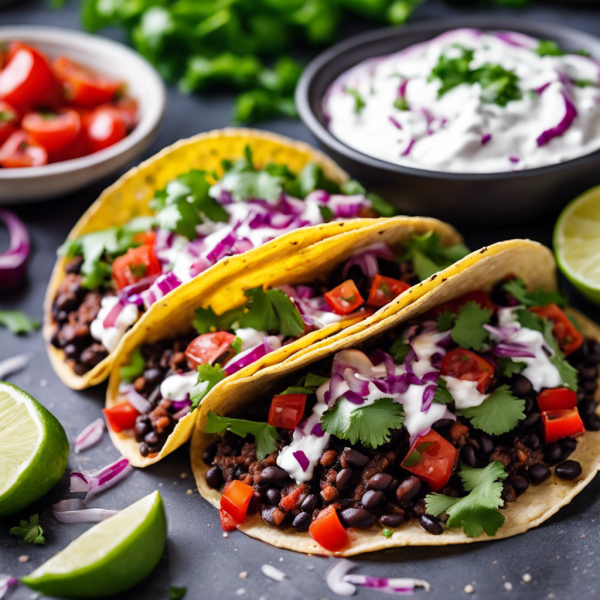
(481, 121)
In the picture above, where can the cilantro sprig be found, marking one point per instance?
(17, 321)
(498, 414)
(442, 394)
(308, 386)
(359, 101)
(467, 326)
(516, 288)
(31, 531)
(208, 377)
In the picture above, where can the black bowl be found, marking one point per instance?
(470, 199)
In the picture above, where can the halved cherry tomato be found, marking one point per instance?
(568, 336)
(134, 265)
(562, 423)
(206, 348)
(468, 366)
(384, 290)
(455, 305)
(344, 298)
(431, 458)
(227, 522)
(127, 108)
(103, 127)
(83, 85)
(286, 411)
(21, 150)
(52, 130)
(9, 119)
(79, 147)
(145, 238)
(557, 399)
(235, 499)
(328, 531)
(121, 416)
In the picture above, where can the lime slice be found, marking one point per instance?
(577, 243)
(109, 558)
(33, 449)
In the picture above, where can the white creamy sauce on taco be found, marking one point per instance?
(178, 386)
(465, 393)
(470, 102)
(110, 336)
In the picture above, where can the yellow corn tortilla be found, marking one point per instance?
(535, 265)
(130, 195)
(223, 289)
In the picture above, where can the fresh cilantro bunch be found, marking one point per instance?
(31, 531)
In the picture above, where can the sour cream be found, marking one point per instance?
(110, 337)
(405, 121)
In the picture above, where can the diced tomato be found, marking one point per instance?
(431, 458)
(21, 150)
(104, 128)
(384, 290)
(206, 348)
(292, 500)
(468, 366)
(127, 108)
(328, 531)
(562, 423)
(121, 417)
(145, 238)
(235, 499)
(134, 265)
(52, 130)
(27, 79)
(455, 305)
(568, 336)
(82, 85)
(286, 411)
(344, 298)
(227, 522)
(9, 120)
(557, 399)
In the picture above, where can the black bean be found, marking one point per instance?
(508, 493)
(539, 472)
(570, 469)
(568, 445)
(71, 351)
(592, 423)
(209, 453)
(521, 386)
(153, 376)
(356, 517)
(140, 430)
(486, 444)
(442, 424)
(372, 499)
(391, 520)
(302, 522)
(419, 509)
(273, 496)
(431, 525)
(342, 481)
(589, 386)
(144, 450)
(273, 476)
(587, 407)
(531, 440)
(553, 453)
(239, 471)
(379, 481)
(590, 373)
(309, 503)
(409, 488)
(393, 486)
(355, 458)
(267, 515)
(151, 438)
(467, 455)
(530, 420)
(519, 483)
(214, 477)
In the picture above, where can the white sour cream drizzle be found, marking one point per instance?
(110, 337)
(457, 132)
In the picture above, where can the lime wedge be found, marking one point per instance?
(33, 449)
(577, 243)
(109, 558)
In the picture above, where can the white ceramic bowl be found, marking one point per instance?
(115, 60)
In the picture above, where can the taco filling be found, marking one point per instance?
(467, 407)
(113, 276)
(168, 379)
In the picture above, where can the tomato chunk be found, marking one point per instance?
(206, 348)
(431, 458)
(286, 411)
(235, 500)
(145, 238)
(569, 338)
(103, 128)
(557, 399)
(21, 150)
(127, 109)
(328, 531)
(9, 119)
(344, 298)
(293, 500)
(52, 130)
(468, 366)
(121, 416)
(227, 522)
(384, 290)
(134, 265)
(455, 305)
(562, 423)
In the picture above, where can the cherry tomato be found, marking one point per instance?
(227, 522)
(127, 108)
(286, 411)
(328, 531)
(455, 305)
(568, 336)
(206, 348)
(134, 265)
(104, 127)
(431, 458)
(562, 423)
(121, 417)
(557, 399)
(27, 79)
(468, 366)
(21, 150)
(384, 290)
(235, 499)
(52, 130)
(9, 119)
(344, 298)
(82, 85)
(145, 238)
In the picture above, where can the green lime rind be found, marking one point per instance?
(119, 569)
(46, 467)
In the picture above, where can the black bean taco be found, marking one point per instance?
(468, 416)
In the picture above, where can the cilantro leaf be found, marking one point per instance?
(313, 178)
(135, 367)
(549, 48)
(208, 377)
(359, 101)
(236, 345)
(442, 393)
(17, 321)
(370, 424)
(452, 71)
(176, 593)
(399, 351)
(272, 310)
(31, 531)
(477, 511)
(445, 320)
(516, 288)
(468, 331)
(498, 414)
(386, 533)
(206, 321)
(378, 204)
(266, 435)
(401, 103)
(314, 381)
(309, 386)
(508, 367)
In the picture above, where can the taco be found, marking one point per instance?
(214, 332)
(218, 195)
(469, 416)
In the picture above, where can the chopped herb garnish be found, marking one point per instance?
(386, 533)
(549, 48)
(208, 377)
(399, 351)
(308, 386)
(508, 367)
(401, 103)
(468, 331)
(138, 270)
(498, 414)
(176, 593)
(135, 367)
(31, 531)
(359, 101)
(442, 393)
(516, 288)
(415, 457)
(17, 321)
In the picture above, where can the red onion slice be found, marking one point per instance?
(138, 401)
(302, 459)
(6, 582)
(113, 315)
(90, 436)
(73, 510)
(13, 365)
(98, 481)
(570, 114)
(13, 262)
